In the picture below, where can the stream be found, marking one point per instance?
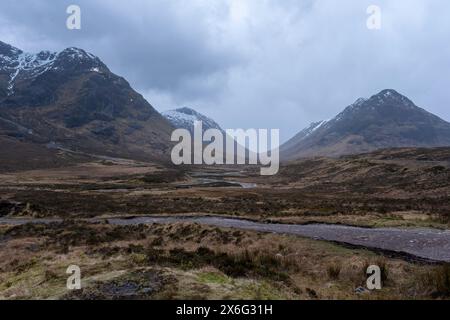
(426, 244)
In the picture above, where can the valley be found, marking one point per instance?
(142, 230)
(86, 180)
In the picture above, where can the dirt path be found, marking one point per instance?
(428, 244)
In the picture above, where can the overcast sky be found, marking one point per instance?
(253, 63)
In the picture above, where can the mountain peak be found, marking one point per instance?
(390, 97)
(389, 92)
(184, 118)
(187, 110)
(387, 99)
(16, 65)
(387, 119)
(75, 59)
(76, 53)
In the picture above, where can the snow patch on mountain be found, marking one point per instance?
(184, 118)
(23, 65)
(313, 127)
(31, 64)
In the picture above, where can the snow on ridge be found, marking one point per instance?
(319, 125)
(359, 101)
(31, 65)
(77, 54)
(313, 127)
(179, 116)
(354, 106)
(185, 118)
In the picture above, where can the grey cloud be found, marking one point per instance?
(254, 63)
(155, 44)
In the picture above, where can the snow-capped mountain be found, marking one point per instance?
(184, 118)
(71, 99)
(17, 66)
(385, 120)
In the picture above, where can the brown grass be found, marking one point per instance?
(437, 281)
(333, 271)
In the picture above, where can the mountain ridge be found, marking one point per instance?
(385, 120)
(184, 118)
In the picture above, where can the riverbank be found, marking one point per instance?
(418, 243)
(186, 260)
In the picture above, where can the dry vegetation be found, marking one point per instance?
(189, 261)
(407, 188)
(387, 188)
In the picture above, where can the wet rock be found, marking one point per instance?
(312, 293)
(361, 290)
(10, 208)
(140, 285)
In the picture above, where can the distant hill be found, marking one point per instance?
(184, 118)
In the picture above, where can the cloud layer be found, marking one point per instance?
(253, 63)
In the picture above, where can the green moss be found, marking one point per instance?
(260, 290)
(213, 277)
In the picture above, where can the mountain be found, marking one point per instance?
(71, 100)
(184, 118)
(385, 120)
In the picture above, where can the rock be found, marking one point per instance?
(361, 290)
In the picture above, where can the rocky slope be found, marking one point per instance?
(71, 100)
